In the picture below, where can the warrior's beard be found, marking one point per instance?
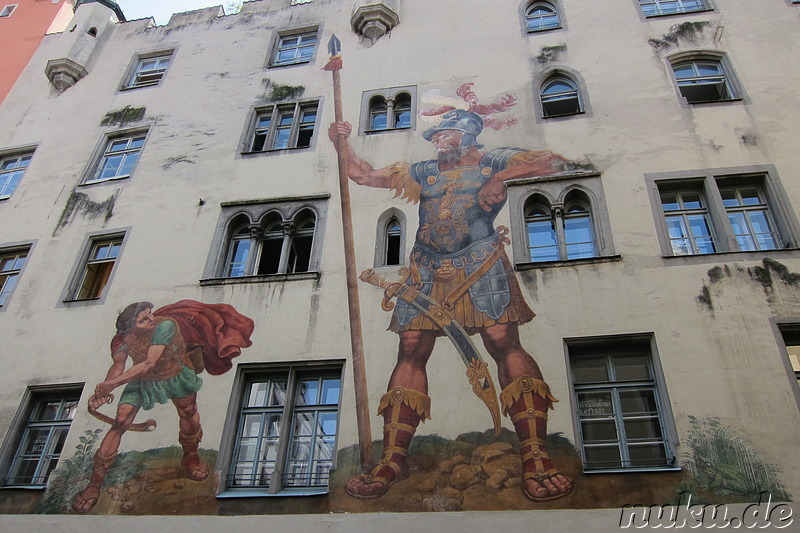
(451, 156)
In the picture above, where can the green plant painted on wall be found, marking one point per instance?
(721, 463)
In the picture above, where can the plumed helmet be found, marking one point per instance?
(467, 122)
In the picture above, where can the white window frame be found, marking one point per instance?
(390, 98)
(34, 399)
(136, 141)
(688, 243)
(682, 7)
(154, 74)
(261, 138)
(8, 10)
(608, 349)
(278, 481)
(283, 44)
(261, 222)
(711, 184)
(542, 26)
(20, 159)
(13, 260)
(96, 242)
(729, 88)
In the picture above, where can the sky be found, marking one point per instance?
(162, 10)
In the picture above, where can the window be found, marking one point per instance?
(284, 126)
(723, 212)
(789, 333)
(96, 268)
(703, 80)
(42, 431)
(285, 436)
(267, 239)
(295, 49)
(541, 16)
(687, 222)
(560, 96)
(559, 219)
(12, 168)
(654, 8)
(619, 405)
(119, 157)
(149, 71)
(558, 232)
(388, 109)
(393, 236)
(7, 10)
(11, 264)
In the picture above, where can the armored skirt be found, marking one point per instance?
(476, 285)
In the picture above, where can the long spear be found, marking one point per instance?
(356, 340)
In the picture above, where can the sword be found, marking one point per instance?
(477, 368)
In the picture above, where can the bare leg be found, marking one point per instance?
(85, 500)
(403, 406)
(191, 432)
(513, 362)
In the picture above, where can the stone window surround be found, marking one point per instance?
(15, 151)
(522, 9)
(709, 6)
(255, 210)
(246, 139)
(777, 200)
(276, 39)
(11, 248)
(380, 238)
(739, 95)
(389, 93)
(560, 71)
(99, 151)
(69, 294)
(556, 189)
(645, 341)
(130, 70)
(245, 372)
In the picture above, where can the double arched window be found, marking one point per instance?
(389, 113)
(560, 231)
(273, 245)
(541, 16)
(560, 95)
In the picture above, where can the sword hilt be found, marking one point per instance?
(389, 288)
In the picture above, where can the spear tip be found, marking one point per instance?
(334, 45)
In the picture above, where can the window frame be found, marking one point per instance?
(71, 293)
(271, 132)
(572, 77)
(787, 333)
(128, 81)
(247, 374)
(14, 439)
(709, 182)
(558, 192)
(7, 250)
(640, 343)
(259, 214)
(381, 238)
(298, 33)
(8, 10)
(522, 11)
(707, 6)
(731, 82)
(102, 152)
(389, 96)
(546, 4)
(16, 152)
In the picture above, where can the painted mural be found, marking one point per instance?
(460, 282)
(168, 348)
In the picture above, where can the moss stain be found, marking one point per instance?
(687, 31)
(79, 202)
(123, 116)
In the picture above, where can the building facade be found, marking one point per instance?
(174, 232)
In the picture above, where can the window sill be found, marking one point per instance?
(292, 64)
(251, 493)
(643, 470)
(385, 130)
(265, 278)
(722, 256)
(95, 182)
(134, 87)
(563, 115)
(543, 30)
(568, 262)
(692, 12)
(276, 151)
(12, 486)
(78, 300)
(711, 102)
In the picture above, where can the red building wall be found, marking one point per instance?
(21, 33)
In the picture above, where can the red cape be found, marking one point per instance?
(218, 328)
